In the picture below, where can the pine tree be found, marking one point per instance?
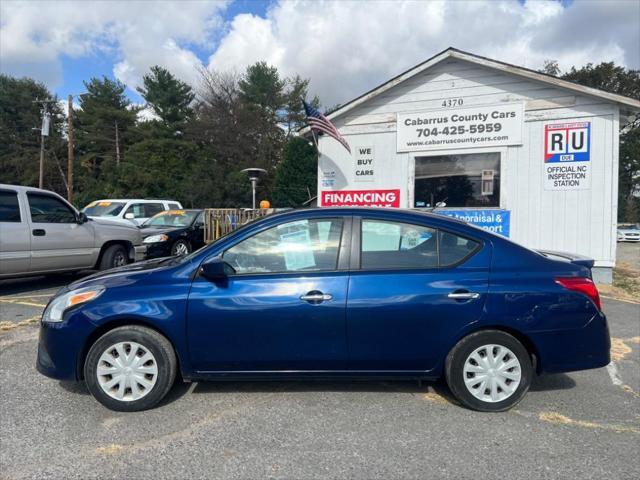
(296, 175)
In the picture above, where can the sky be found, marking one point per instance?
(344, 47)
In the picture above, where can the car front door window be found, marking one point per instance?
(304, 245)
(48, 209)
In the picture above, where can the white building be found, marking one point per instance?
(524, 154)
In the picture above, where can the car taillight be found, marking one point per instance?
(582, 285)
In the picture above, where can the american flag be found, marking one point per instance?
(320, 123)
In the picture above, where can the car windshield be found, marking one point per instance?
(629, 227)
(171, 218)
(103, 209)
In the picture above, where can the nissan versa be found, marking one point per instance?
(347, 293)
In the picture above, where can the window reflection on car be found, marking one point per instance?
(171, 218)
(104, 209)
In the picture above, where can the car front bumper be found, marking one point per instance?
(139, 253)
(60, 345)
(159, 249)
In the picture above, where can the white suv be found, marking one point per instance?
(128, 211)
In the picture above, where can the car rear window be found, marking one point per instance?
(9, 207)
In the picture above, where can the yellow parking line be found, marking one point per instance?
(22, 297)
(27, 304)
(7, 325)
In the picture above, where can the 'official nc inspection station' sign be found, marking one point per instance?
(567, 156)
(496, 125)
(495, 221)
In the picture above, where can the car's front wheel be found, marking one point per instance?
(130, 368)
(489, 371)
(181, 247)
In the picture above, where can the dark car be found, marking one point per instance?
(173, 232)
(331, 293)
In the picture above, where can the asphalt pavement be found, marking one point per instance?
(580, 425)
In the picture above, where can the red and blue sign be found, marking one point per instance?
(567, 142)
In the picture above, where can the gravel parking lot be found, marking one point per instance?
(580, 425)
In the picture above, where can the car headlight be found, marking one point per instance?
(156, 239)
(55, 310)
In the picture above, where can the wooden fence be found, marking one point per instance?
(218, 222)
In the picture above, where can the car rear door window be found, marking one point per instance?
(174, 206)
(49, 209)
(389, 245)
(9, 207)
(397, 245)
(303, 245)
(150, 209)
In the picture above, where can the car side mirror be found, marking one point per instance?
(129, 216)
(82, 218)
(216, 269)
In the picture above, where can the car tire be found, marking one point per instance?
(114, 256)
(137, 381)
(180, 247)
(484, 357)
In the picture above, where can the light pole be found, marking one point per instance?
(254, 174)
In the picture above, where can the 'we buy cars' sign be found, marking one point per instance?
(567, 156)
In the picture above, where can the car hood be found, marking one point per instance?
(113, 222)
(121, 276)
(628, 230)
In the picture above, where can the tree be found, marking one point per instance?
(261, 85)
(294, 116)
(103, 125)
(551, 68)
(169, 98)
(608, 77)
(297, 174)
(234, 135)
(20, 143)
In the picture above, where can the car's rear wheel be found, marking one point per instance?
(489, 371)
(130, 368)
(114, 256)
(181, 247)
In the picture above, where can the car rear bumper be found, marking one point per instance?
(574, 349)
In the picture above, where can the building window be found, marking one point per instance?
(469, 180)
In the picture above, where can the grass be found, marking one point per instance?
(626, 284)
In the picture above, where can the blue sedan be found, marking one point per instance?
(331, 293)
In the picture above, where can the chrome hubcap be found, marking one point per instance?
(127, 371)
(180, 249)
(492, 373)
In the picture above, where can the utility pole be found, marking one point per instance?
(70, 150)
(117, 147)
(44, 132)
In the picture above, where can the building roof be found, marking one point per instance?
(631, 105)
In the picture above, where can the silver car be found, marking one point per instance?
(40, 232)
(628, 233)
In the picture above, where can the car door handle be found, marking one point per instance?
(316, 297)
(464, 295)
(39, 232)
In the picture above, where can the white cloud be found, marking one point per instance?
(349, 47)
(344, 47)
(138, 34)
